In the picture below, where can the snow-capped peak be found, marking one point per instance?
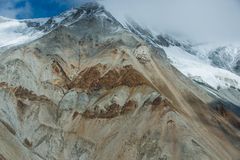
(14, 32)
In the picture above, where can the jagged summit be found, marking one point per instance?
(88, 11)
(92, 7)
(27, 30)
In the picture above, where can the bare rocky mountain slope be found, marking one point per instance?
(95, 91)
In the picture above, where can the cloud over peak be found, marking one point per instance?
(201, 19)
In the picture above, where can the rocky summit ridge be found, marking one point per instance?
(93, 90)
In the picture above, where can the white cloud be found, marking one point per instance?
(8, 9)
(199, 19)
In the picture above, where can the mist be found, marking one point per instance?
(201, 20)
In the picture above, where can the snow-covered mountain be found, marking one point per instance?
(214, 64)
(91, 88)
(217, 65)
(15, 32)
(221, 55)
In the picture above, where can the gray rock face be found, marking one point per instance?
(92, 90)
(221, 58)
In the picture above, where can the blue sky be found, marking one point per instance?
(36, 8)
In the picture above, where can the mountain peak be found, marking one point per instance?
(91, 7)
(86, 11)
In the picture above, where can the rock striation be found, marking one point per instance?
(95, 91)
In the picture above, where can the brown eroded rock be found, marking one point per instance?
(93, 79)
(24, 94)
(112, 111)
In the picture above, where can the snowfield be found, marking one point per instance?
(14, 32)
(201, 71)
